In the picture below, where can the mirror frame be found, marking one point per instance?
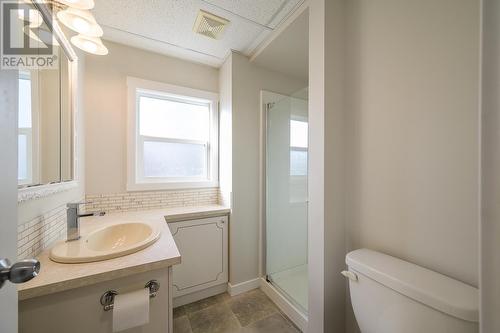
(40, 191)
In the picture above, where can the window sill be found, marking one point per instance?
(170, 186)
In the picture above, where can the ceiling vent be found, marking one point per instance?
(210, 25)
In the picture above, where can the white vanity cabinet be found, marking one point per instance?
(203, 245)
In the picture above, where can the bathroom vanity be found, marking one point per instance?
(67, 297)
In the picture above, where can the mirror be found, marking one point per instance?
(45, 131)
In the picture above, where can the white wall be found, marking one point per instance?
(490, 226)
(106, 106)
(31, 209)
(247, 82)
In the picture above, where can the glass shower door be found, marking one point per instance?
(286, 197)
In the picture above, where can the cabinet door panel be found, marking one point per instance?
(203, 247)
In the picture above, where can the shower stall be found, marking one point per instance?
(286, 175)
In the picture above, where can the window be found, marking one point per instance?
(25, 130)
(173, 136)
(298, 148)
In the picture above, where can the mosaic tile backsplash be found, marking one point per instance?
(39, 233)
(130, 201)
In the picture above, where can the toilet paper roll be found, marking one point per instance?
(131, 310)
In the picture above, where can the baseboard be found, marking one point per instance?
(240, 288)
(197, 295)
(284, 305)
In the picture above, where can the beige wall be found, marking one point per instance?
(490, 226)
(413, 103)
(49, 113)
(106, 106)
(326, 215)
(226, 131)
(247, 82)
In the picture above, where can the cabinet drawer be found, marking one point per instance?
(202, 244)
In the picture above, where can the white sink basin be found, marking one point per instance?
(106, 243)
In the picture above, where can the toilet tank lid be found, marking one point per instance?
(423, 285)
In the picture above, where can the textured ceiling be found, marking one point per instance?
(165, 26)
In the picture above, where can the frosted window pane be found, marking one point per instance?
(172, 119)
(24, 103)
(298, 134)
(22, 157)
(166, 159)
(298, 162)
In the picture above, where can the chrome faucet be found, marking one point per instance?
(73, 220)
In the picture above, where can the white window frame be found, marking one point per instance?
(135, 182)
(300, 149)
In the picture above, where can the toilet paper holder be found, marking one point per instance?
(108, 298)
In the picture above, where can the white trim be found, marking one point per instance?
(243, 287)
(37, 192)
(290, 310)
(136, 183)
(201, 294)
(171, 89)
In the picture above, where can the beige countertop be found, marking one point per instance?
(55, 277)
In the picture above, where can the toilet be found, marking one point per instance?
(390, 295)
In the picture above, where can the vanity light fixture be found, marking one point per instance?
(43, 35)
(78, 4)
(89, 44)
(80, 21)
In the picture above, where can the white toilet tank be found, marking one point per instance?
(390, 295)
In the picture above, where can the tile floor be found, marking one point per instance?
(251, 312)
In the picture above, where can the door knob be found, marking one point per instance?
(20, 272)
